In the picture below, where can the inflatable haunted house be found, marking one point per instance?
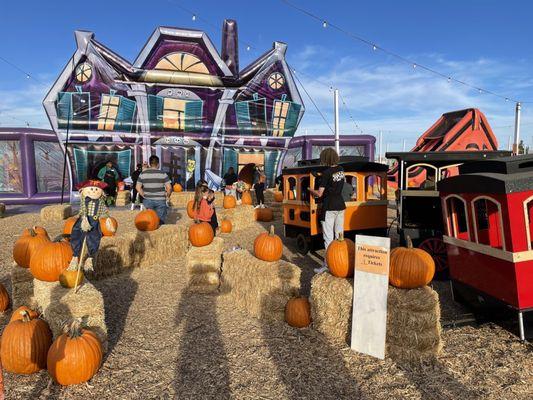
(181, 100)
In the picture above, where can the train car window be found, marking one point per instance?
(374, 187)
(351, 181)
(291, 190)
(421, 177)
(304, 184)
(529, 222)
(422, 213)
(488, 222)
(457, 217)
(291, 214)
(305, 216)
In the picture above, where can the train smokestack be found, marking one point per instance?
(230, 45)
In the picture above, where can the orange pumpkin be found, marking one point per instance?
(246, 198)
(147, 220)
(50, 260)
(39, 230)
(268, 246)
(18, 314)
(278, 196)
(103, 227)
(410, 267)
(121, 186)
(201, 234)
(4, 298)
(68, 279)
(25, 343)
(69, 225)
(190, 209)
(25, 246)
(226, 226)
(75, 356)
(177, 188)
(264, 214)
(229, 202)
(298, 312)
(340, 257)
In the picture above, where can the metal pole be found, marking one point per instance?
(509, 143)
(336, 107)
(403, 145)
(65, 159)
(517, 129)
(380, 146)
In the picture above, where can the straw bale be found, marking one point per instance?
(241, 217)
(259, 288)
(244, 238)
(123, 198)
(180, 199)
(21, 287)
(59, 305)
(56, 212)
(203, 266)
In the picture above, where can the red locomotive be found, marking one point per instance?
(488, 221)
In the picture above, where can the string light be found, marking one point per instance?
(194, 17)
(414, 65)
(324, 24)
(374, 47)
(449, 79)
(248, 48)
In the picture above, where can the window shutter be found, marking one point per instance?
(80, 160)
(243, 117)
(271, 164)
(124, 163)
(155, 112)
(126, 111)
(292, 119)
(64, 109)
(230, 160)
(193, 115)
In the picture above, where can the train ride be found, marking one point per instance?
(366, 209)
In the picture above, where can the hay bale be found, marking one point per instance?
(59, 305)
(203, 266)
(244, 238)
(21, 287)
(123, 198)
(259, 288)
(413, 318)
(241, 217)
(56, 212)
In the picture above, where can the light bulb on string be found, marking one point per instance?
(28, 76)
(507, 99)
(248, 48)
(374, 47)
(480, 91)
(449, 79)
(194, 17)
(324, 24)
(414, 65)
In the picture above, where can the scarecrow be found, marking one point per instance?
(86, 230)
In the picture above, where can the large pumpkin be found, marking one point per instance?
(278, 196)
(68, 279)
(246, 198)
(50, 260)
(190, 208)
(25, 343)
(103, 227)
(147, 220)
(340, 257)
(177, 187)
(298, 312)
(226, 226)
(25, 246)
(201, 234)
(69, 225)
(18, 315)
(264, 214)
(410, 267)
(4, 298)
(229, 202)
(75, 356)
(268, 246)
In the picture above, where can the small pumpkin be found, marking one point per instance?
(264, 214)
(69, 225)
(190, 209)
(226, 226)
(39, 230)
(268, 246)
(340, 257)
(103, 227)
(25, 343)
(25, 246)
(298, 312)
(4, 298)
(147, 220)
(50, 260)
(68, 279)
(18, 315)
(278, 196)
(75, 356)
(410, 267)
(201, 234)
(177, 188)
(121, 186)
(229, 202)
(246, 198)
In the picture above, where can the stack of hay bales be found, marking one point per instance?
(59, 305)
(413, 318)
(259, 288)
(123, 198)
(277, 210)
(180, 199)
(241, 217)
(21, 286)
(203, 267)
(243, 238)
(56, 212)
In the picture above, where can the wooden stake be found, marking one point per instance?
(80, 262)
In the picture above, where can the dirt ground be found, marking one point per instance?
(167, 343)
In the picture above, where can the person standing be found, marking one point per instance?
(333, 206)
(154, 186)
(134, 178)
(259, 186)
(109, 175)
(229, 179)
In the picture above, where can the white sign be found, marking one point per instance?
(371, 284)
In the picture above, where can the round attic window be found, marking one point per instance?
(84, 71)
(276, 80)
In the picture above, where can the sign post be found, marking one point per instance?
(371, 284)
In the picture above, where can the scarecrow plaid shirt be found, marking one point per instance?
(87, 209)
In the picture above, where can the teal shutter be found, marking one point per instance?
(243, 117)
(126, 111)
(230, 160)
(80, 161)
(271, 164)
(124, 163)
(155, 112)
(292, 119)
(64, 109)
(193, 115)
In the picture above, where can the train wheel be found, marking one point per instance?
(302, 243)
(437, 249)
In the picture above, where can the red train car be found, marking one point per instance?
(488, 221)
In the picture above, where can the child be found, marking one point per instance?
(203, 207)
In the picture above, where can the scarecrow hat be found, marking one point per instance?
(91, 183)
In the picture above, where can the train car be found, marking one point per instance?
(366, 210)
(488, 221)
(419, 212)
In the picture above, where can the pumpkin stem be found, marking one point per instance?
(25, 315)
(32, 232)
(341, 237)
(73, 330)
(409, 242)
(271, 230)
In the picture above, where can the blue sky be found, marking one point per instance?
(486, 43)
